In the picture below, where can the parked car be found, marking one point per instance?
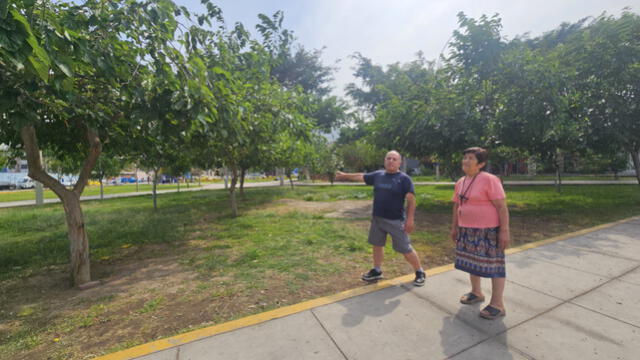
(26, 183)
(6, 185)
(129, 180)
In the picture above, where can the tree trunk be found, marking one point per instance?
(558, 180)
(79, 250)
(635, 156)
(232, 192)
(290, 180)
(243, 172)
(280, 171)
(531, 166)
(79, 241)
(101, 190)
(178, 185)
(154, 195)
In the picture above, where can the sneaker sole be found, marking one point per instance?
(371, 280)
(418, 284)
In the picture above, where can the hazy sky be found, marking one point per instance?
(389, 31)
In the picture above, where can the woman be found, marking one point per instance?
(480, 230)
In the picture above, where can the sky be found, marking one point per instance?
(389, 31)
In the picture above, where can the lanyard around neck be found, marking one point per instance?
(463, 197)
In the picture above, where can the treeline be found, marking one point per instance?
(573, 91)
(101, 83)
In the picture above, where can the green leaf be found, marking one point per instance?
(4, 8)
(65, 69)
(39, 59)
(221, 71)
(41, 69)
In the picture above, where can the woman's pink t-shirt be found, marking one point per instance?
(478, 211)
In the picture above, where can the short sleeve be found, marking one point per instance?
(370, 178)
(408, 186)
(495, 190)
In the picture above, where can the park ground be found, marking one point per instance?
(190, 264)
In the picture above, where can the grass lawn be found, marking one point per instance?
(190, 264)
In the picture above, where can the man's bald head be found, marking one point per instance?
(392, 161)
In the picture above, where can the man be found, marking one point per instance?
(390, 187)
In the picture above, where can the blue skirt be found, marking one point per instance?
(478, 252)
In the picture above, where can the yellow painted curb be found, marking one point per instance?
(177, 340)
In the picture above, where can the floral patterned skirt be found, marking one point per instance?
(478, 253)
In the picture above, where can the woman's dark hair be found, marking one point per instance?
(481, 154)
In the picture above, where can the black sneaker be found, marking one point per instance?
(420, 278)
(372, 275)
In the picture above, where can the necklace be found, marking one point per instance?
(463, 196)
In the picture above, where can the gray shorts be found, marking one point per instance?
(379, 229)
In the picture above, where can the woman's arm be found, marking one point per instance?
(454, 223)
(504, 238)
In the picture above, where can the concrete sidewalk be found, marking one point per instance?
(571, 297)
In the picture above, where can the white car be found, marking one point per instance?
(26, 183)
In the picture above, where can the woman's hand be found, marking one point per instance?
(454, 235)
(504, 238)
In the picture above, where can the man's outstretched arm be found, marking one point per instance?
(340, 176)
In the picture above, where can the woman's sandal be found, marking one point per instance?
(471, 298)
(492, 313)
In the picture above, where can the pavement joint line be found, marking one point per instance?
(177, 340)
(570, 301)
(573, 268)
(563, 302)
(605, 315)
(328, 334)
(469, 324)
(598, 312)
(535, 290)
(603, 252)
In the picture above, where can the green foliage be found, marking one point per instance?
(362, 156)
(571, 90)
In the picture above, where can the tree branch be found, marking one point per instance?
(95, 149)
(32, 150)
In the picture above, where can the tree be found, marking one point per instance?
(538, 109)
(323, 158)
(106, 167)
(607, 54)
(67, 72)
(361, 156)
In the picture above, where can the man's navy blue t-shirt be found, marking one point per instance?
(389, 191)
